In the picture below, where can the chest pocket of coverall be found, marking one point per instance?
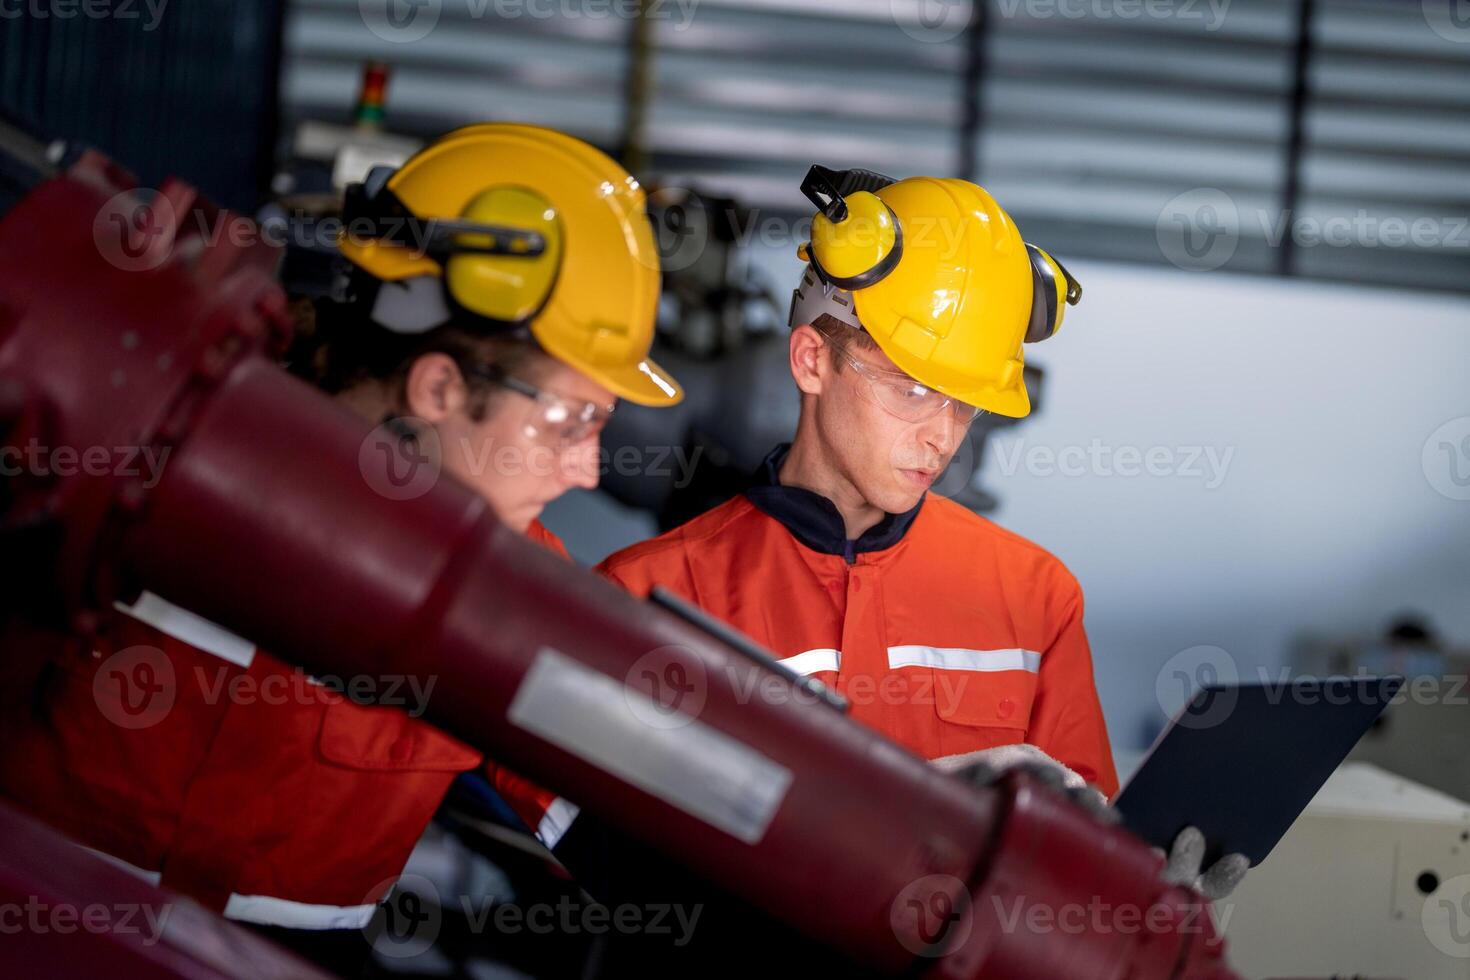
(982, 709)
(386, 739)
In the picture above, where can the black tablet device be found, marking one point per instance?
(1241, 762)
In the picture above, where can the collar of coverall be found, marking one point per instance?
(814, 520)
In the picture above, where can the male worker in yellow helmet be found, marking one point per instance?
(944, 631)
(506, 281)
(958, 639)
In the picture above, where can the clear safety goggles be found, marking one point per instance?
(901, 396)
(555, 420)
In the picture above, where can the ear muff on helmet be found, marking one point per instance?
(500, 257)
(1049, 299)
(856, 238)
(513, 284)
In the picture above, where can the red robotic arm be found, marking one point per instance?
(271, 519)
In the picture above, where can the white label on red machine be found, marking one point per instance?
(688, 764)
(192, 629)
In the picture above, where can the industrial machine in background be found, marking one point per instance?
(169, 343)
(1374, 877)
(1425, 734)
(1371, 881)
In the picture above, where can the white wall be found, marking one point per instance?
(1317, 401)
(1326, 518)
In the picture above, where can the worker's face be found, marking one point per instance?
(520, 453)
(890, 461)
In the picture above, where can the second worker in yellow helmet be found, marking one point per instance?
(944, 631)
(503, 298)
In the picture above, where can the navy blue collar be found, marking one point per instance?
(814, 520)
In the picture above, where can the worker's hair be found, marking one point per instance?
(835, 331)
(337, 347)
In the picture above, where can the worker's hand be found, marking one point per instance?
(986, 766)
(1185, 861)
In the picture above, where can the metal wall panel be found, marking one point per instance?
(1141, 130)
(462, 61)
(175, 88)
(1386, 156)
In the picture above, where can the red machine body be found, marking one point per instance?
(265, 521)
(69, 914)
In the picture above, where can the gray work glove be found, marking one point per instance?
(1186, 858)
(986, 766)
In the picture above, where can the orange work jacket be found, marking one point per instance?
(944, 631)
(282, 803)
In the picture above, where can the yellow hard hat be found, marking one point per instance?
(524, 227)
(937, 273)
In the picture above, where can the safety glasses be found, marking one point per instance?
(901, 396)
(556, 420)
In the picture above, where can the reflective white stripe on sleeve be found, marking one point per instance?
(152, 877)
(194, 630)
(810, 661)
(264, 910)
(959, 658)
(556, 821)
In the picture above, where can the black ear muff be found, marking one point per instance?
(1052, 290)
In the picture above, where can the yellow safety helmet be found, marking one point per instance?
(523, 227)
(937, 273)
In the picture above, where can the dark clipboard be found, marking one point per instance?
(1241, 762)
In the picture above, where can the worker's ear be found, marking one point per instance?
(434, 388)
(809, 359)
